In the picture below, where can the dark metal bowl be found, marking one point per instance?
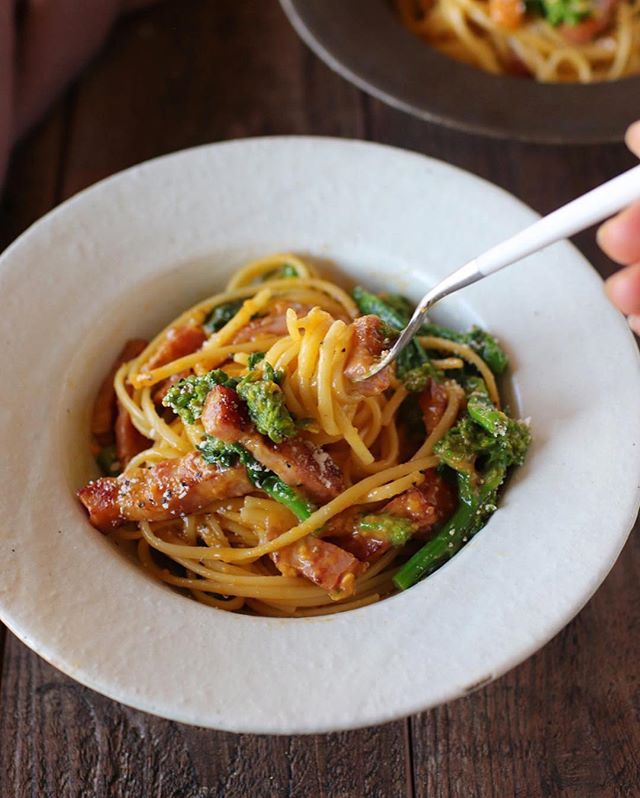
(365, 42)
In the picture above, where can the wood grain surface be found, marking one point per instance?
(564, 723)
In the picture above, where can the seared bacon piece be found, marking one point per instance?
(274, 323)
(508, 14)
(368, 343)
(180, 341)
(296, 461)
(225, 415)
(129, 442)
(104, 407)
(433, 402)
(426, 505)
(323, 563)
(366, 548)
(591, 27)
(300, 464)
(168, 489)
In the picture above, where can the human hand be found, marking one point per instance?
(620, 239)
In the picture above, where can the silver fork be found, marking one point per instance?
(577, 215)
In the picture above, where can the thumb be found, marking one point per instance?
(632, 138)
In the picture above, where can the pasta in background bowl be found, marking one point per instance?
(123, 259)
(550, 40)
(464, 63)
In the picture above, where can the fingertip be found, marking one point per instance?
(602, 236)
(634, 323)
(623, 289)
(620, 237)
(632, 138)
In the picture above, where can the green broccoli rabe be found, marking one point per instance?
(286, 271)
(559, 12)
(395, 315)
(488, 348)
(221, 315)
(259, 389)
(265, 402)
(187, 397)
(479, 340)
(461, 446)
(384, 526)
(254, 359)
(218, 452)
(415, 380)
(395, 311)
(477, 503)
(399, 303)
(511, 438)
(221, 453)
(481, 447)
(392, 314)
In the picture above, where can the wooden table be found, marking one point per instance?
(566, 722)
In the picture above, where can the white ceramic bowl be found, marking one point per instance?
(126, 256)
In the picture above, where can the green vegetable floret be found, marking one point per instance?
(263, 395)
(398, 303)
(187, 397)
(510, 438)
(478, 339)
(221, 315)
(259, 389)
(461, 446)
(559, 12)
(221, 453)
(227, 455)
(393, 314)
(254, 359)
(389, 527)
(414, 366)
(415, 380)
(481, 447)
(286, 271)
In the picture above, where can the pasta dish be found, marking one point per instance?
(549, 40)
(248, 464)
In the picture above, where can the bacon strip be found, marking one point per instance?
(322, 563)
(368, 343)
(433, 402)
(296, 461)
(341, 530)
(104, 407)
(587, 30)
(168, 489)
(180, 341)
(274, 323)
(129, 441)
(508, 14)
(429, 504)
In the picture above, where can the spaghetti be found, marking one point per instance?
(248, 465)
(550, 40)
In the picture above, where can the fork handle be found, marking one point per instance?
(577, 215)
